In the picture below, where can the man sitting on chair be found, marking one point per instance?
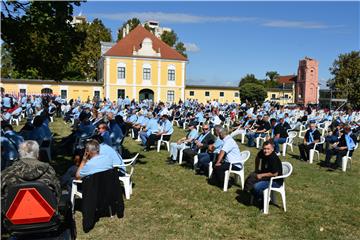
(267, 165)
(166, 128)
(228, 154)
(312, 136)
(28, 169)
(346, 143)
(93, 162)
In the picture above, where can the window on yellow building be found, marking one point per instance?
(170, 96)
(171, 75)
(97, 94)
(22, 91)
(63, 94)
(236, 94)
(207, 94)
(273, 95)
(146, 73)
(191, 93)
(121, 93)
(121, 72)
(286, 96)
(221, 94)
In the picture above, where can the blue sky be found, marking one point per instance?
(227, 40)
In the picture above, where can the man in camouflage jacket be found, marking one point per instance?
(29, 169)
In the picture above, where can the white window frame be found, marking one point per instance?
(146, 66)
(120, 65)
(171, 68)
(172, 94)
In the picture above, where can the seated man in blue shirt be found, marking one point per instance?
(150, 128)
(166, 129)
(93, 162)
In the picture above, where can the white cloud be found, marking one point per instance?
(170, 17)
(191, 47)
(297, 24)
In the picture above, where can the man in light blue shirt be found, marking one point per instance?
(151, 127)
(166, 130)
(93, 162)
(229, 154)
(6, 101)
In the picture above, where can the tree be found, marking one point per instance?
(272, 75)
(132, 24)
(252, 92)
(180, 48)
(249, 78)
(169, 38)
(83, 66)
(40, 37)
(346, 77)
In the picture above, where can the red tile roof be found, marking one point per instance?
(125, 47)
(286, 79)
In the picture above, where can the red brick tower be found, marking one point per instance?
(307, 82)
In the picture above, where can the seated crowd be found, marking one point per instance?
(99, 128)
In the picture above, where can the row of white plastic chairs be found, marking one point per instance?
(240, 174)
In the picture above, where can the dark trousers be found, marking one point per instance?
(339, 154)
(136, 133)
(218, 174)
(153, 138)
(188, 155)
(305, 151)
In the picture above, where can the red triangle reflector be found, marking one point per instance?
(29, 207)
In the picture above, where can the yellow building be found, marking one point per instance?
(284, 93)
(141, 66)
(208, 93)
(65, 89)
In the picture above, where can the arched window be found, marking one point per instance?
(46, 91)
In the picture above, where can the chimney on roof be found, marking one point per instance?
(127, 29)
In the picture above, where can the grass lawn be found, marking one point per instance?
(171, 202)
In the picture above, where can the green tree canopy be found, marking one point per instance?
(346, 77)
(169, 38)
(84, 64)
(272, 75)
(132, 24)
(180, 47)
(40, 37)
(249, 78)
(252, 91)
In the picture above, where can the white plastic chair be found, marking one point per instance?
(196, 159)
(313, 151)
(126, 179)
(286, 172)
(244, 157)
(259, 138)
(347, 159)
(302, 131)
(161, 140)
(75, 193)
(289, 142)
(181, 153)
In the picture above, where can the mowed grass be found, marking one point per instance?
(171, 202)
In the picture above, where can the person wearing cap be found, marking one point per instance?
(166, 128)
(183, 142)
